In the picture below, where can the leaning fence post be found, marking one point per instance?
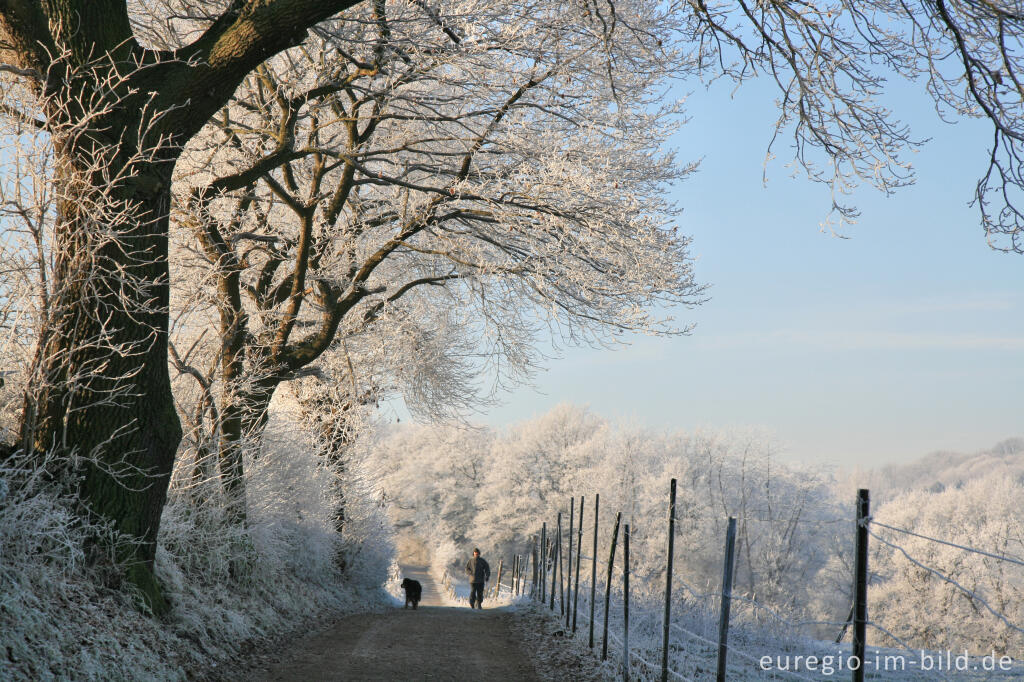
(723, 621)
(568, 582)
(846, 624)
(497, 583)
(625, 604)
(860, 595)
(593, 571)
(579, 556)
(668, 580)
(608, 585)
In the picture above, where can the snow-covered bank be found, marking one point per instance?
(233, 591)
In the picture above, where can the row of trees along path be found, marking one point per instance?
(449, 170)
(438, 641)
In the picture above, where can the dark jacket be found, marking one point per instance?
(478, 570)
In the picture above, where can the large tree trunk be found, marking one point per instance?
(101, 398)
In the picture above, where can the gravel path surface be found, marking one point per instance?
(434, 642)
(433, 594)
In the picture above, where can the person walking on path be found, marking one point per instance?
(479, 573)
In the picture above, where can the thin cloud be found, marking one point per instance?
(864, 341)
(982, 303)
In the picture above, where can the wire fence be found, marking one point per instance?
(763, 642)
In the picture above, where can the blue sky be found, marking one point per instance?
(905, 338)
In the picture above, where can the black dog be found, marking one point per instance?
(413, 592)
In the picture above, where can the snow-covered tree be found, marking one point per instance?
(914, 595)
(482, 173)
(431, 476)
(532, 471)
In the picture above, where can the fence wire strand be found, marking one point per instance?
(965, 548)
(970, 593)
(739, 652)
(898, 641)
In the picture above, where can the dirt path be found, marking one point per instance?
(433, 594)
(434, 642)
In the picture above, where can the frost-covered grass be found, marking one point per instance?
(61, 616)
(231, 589)
(759, 647)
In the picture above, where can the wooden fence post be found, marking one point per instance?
(554, 557)
(561, 575)
(579, 556)
(625, 605)
(723, 621)
(534, 556)
(543, 559)
(860, 594)
(593, 571)
(846, 624)
(524, 587)
(568, 582)
(497, 583)
(608, 586)
(668, 580)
